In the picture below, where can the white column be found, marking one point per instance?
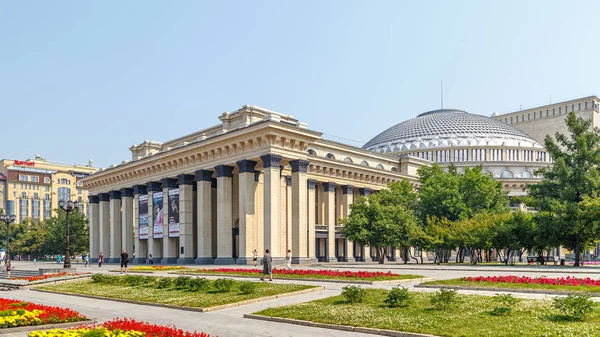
(271, 203)
(154, 244)
(247, 235)
(224, 215)
(127, 220)
(170, 246)
(94, 227)
(186, 219)
(299, 211)
(115, 227)
(329, 196)
(204, 219)
(312, 234)
(347, 199)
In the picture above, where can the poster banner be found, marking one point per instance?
(157, 207)
(174, 213)
(143, 217)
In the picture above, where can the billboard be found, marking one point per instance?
(157, 207)
(173, 213)
(143, 216)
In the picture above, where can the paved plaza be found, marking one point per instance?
(230, 322)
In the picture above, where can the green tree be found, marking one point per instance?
(56, 231)
(513, 236)
(384, 219)
(31, 239)
(561, 195)
(437, 236)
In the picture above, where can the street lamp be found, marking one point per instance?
(68, 207)
(7, 219)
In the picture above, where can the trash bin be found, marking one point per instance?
(562, 262)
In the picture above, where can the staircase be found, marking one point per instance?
(19, 273)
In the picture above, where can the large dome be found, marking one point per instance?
(448, 127)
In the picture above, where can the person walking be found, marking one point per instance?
(124, 261)
(267, 266)
(86, 259)
(255, 257)
(150, 259)
(100, 260)
(8, 268)
(288, 259)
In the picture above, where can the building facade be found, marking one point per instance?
(32, 188)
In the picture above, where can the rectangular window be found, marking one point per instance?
(528, 116)
(522, 118)
(47, 209)
(22, 177)
(35, 210)
(511, 120)
(35, 179)
(579, 107)
(586, 105)
(23, 208)
(572, 107)
(46, 188)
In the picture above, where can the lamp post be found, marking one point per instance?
(68, 206)
(7, 219)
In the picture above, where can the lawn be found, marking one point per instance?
(570, 284)
(470, 317)
(166, 290)
(307, 274)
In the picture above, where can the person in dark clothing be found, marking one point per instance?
(100, 260)
(124, 261)
(267, 266)
(150, 259)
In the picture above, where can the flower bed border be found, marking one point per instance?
(374, 331)
(349, 281)
(135, 271)
(24, 284)
(508, 290)
(178, 307)
(46, 326)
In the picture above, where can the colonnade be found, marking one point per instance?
(224, 213)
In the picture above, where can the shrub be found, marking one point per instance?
(136, 280)
(163, 283)
(223, 285)
(398, 297)
(506, 303)
(105, 279)
(575, 306)
(247, 287)
(353, 294)
(444, 298)
(198, 284)
(181, 282)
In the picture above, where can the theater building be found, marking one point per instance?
(257, 180)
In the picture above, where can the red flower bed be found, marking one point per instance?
(49, 315)
(559, 281)
(307, 272)
(150, 329)
(47, 276)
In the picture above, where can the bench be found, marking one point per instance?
(544, 259)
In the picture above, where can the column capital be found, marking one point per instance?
(203, 175)
(347, 189)
(127, 192)
(246, 166)
(329, 187)
(140, 189)
(365, 191)
(93, 199)
(288, 180)
(115, 194)
(224, 171)
(169, 183)
(103, 197)
(154, 186)
(299, 165)
(312, 184)
(271, 160)
(185, 179)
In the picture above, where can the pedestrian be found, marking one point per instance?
(77, 259)
(8, 268)
(288, 259)
(267, 266)
(255, 257)
(100, 260)
(58, 259)
(150, 259)
(86, 260)
(124, 261)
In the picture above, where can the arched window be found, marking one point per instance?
(330, 156)
(348, 160)
(379, 166)
(488, 172)
(47, 196)
(364, 163)
(311, 152)
(507, 174)
(35, 196)
(527, 175)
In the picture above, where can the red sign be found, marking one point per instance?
(24, 163)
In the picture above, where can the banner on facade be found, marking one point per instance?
(174, 213)
(143, 217)
(157, 207)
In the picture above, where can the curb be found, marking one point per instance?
(41, 284)
(133, 271)
(177, 307)
(519, 269)
(507, 290)
(374, 331)
(46, 326)
(422, 279)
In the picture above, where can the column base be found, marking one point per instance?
(112, 260)
(185, 260)
(244, 261)
(138, 260)
(331, 259)
(167, 260)
(204, 260)
(277, 261)
(94, 260)
(300, 260)
(224, 260)
(313, 260)
(350, 259)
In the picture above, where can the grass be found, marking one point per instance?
(171, 296)
(259, 274)
(470, 317)
(548, 287)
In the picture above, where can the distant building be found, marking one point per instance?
(32, 188)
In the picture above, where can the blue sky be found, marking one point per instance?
(85, 80)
